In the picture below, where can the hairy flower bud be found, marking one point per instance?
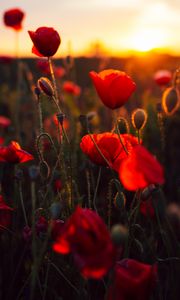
(170, 100)
(119, 234)
(139, 118)
(46, 86)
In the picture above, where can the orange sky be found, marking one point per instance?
(119, 25)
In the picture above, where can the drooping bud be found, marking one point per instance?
(55, 210)
(119, 200)
(61, 118)
(139, 118)
(46, 86)
(119, 234)
(170, 100)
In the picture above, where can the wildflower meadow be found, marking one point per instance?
(89, 173)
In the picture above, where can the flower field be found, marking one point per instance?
(89, 174)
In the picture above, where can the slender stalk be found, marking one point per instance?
(34, 267)
(139, 136)
(96, 189)
(120, 138)
(53, 78)
(65, 278)
(22, 203)
(46, 281)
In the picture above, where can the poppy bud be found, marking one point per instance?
(55, 210)
(120, 200)
(170, 100)
(139, 118)
(119, 234)
(61, 118)
(46, 86)
(146, 193)
(33, 172)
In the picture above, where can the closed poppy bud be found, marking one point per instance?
(55, 210)
(46, 86)
(113, 87)
(119, 234)
(120, 200)
(46, 41)
(139, 118)
(170, 100)
(13, 18)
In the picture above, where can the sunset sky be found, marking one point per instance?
(119, 25)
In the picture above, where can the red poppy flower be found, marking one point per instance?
(46, 41)
(71, 88)
(110, 146)
(4, 121)
(132, 280)
(14, 154)
(163, 77)
(13, 18)
(140, 169)
(5, 214)
(86, 236)
(113, 87)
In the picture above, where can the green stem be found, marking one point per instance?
(34, 267)
(53, 78)
(96, 189)
(22, 203)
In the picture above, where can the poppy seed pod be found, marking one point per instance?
(139, 118)
(170, 100)
(46, 86)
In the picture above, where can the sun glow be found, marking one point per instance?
(146, 40)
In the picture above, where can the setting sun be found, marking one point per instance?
(146, 40)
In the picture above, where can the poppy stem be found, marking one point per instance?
(53, 78)
(119, 135)
(98, 149)
(22, 203)
(139, 136)
(96, 189)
